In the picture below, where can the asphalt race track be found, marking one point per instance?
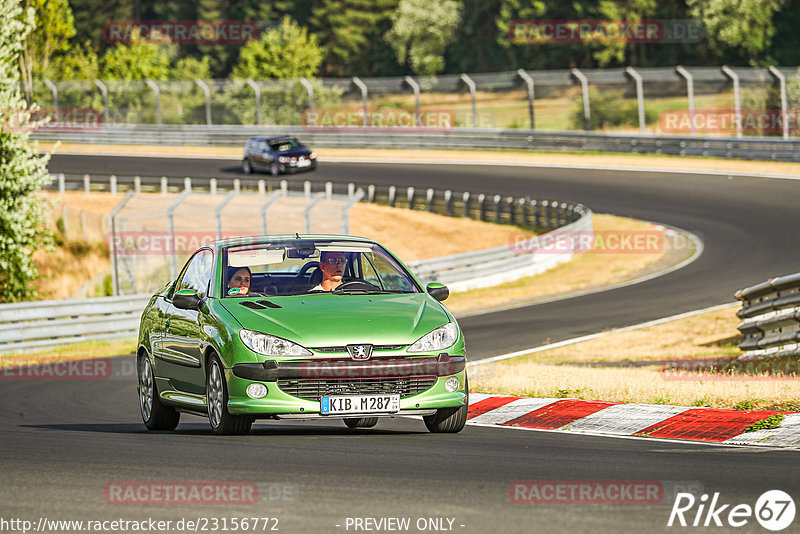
(64, 442)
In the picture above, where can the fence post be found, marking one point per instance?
(62, 186)
(472, 88)
(523, 208)
(307, 189)
(218, 212)
(415, 87)
(784, 104)
(157, 95)
(112, 250)
(737, 109)
(212, 186)
(307, 212)
(351, 189)
(497, 208)
(689, 93)
(265, 206)
(310, 91)
(371, 193)
(465, 197)
(164, 188)
(207, 93)
(328, 190)
(87, 186)
(83, 224)
(528, 79)
(639, 95)
(257, 91)
(54, 92)
(587, 114)
(187, 184)
(537, 219)
(137, 184)
(262, 187)
(511, 215)
(173, 269)
(481, 207)
(392, 195)
(284, 187)
(448, 203)
(104, 92)
(112, 184)
(410, 195)
(237, 185)
(363, 87)
(429, 198)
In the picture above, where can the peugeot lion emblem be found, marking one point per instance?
(360, 352)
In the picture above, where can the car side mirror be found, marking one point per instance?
(186, 299)
(438, 291)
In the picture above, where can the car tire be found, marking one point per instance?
(247, 168)
(449, 420)
(221, 420)
(360, 422)
(155, 415)
(274, 170)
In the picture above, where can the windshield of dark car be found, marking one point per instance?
(292, 268)
(285, 144)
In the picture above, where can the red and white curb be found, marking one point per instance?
(641, 420)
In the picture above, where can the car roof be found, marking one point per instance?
(247, 240)
(273, 139)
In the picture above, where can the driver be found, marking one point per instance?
(332, 265)
(238, 281)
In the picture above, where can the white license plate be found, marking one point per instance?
(359, 404)
(304, 163)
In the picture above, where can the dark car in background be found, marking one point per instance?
(277, 155)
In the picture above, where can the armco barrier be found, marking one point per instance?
(771, 313)
(34, 325)
(457, 138)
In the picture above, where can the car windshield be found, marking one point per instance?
(285, 144)
(293, 268)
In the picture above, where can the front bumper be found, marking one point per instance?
(332, 377)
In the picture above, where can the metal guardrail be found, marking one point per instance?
(771, 313)
(756, 148)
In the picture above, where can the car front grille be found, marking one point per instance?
(343, 348)
(313, 389)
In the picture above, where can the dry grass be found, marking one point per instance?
(562, 372)
(416, 235)
(584, 272)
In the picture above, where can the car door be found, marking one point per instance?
(182, 344)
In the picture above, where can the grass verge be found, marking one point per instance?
(633, 366)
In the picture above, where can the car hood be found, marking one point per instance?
(320, 320)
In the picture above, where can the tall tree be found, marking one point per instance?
(743, 25)
(137, 60)
(22, 172)
(421, 31)
(54, 26)
(285, 52)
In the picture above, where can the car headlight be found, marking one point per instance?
(438, 339)
(313, 155)
(271, 345)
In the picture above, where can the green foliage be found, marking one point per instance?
(22, 172)
(420, 32)
(54, 26)
(189, 68)
(285, 52)
(609, 109)
(742, 24)
(767, 424)
(80, 63)
(136, 61)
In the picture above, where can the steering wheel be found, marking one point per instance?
(355, 284)
(303, 272)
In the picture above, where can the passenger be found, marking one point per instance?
(238, 279)
(332, 265)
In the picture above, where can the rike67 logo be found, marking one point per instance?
(774, 510)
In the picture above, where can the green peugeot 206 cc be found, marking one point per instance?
(299, 327)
